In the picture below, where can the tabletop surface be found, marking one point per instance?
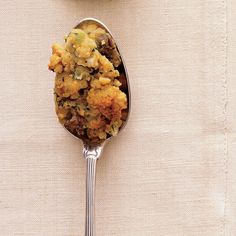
(172, 171)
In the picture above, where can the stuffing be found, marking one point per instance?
(89, 100)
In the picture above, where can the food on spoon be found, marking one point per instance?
(90, 86)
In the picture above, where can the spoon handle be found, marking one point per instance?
(90, 195)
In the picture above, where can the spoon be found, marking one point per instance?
(92, 153)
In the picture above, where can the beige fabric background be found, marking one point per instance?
(172, 171)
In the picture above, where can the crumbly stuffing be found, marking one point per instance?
(88, 97)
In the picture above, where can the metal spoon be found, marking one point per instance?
(93, 153)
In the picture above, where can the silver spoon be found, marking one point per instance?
(93, 153)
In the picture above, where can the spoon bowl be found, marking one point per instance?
(122, 68)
